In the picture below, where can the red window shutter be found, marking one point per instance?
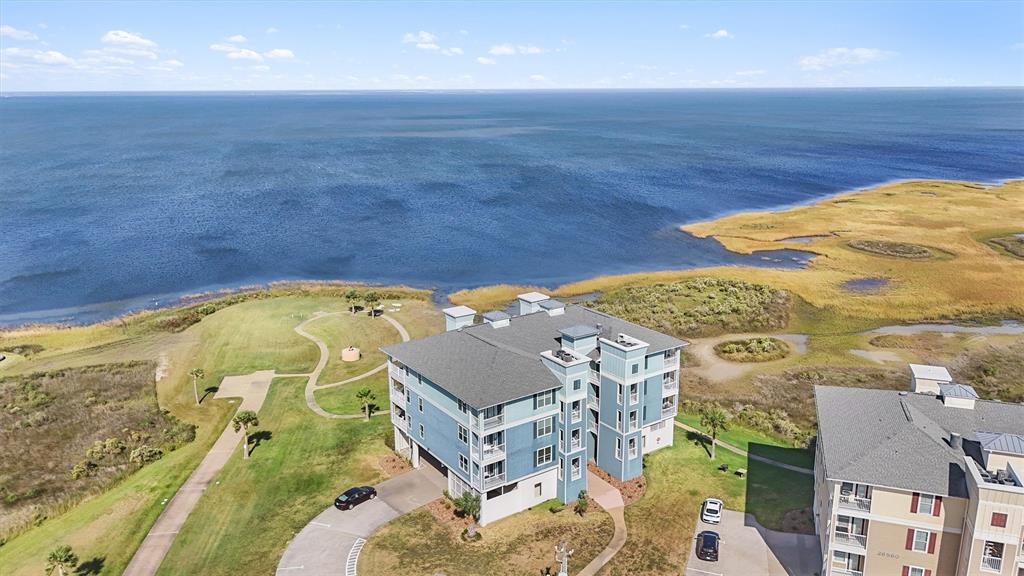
(931, 544)
(910, 538)
(913, 503)
(937, 506)
(927, 573)
(906, 571)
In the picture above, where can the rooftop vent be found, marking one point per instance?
(458, 317)
(926, 379)
(553, 307)
(530, 302)
(958, 395)
(956, 442)
(497, 319)
(565, 356)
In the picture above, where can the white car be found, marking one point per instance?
(711, 511)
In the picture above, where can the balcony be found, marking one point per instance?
(669, 410)
(489, 423)
(576, 415)
(594, 403)
(399, 421)
(670, 385)
(594, 377)
(991, 564)
(396, 373)
(592, 426)
(846, 572)
(850, 539)
(490, 481)
(398, 395)
(492, 452)
(849, 502)
(672, 363)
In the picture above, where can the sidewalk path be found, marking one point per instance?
(611, 500)
(311, 385)
(742, 452)
(252, 388)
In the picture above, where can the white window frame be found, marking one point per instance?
(914, 542)
(618, 448)
(542, 424)
(633, 422)
(634, 393)
(544, 399)
(575, 415)
(423, 432)
(635, 368)
(921, 498)
(578, 473)
(618, 394)
(561, 468)
(421, 404)
(577, 384)
(915, 571)
(618, 420)
(547, 453)
(464, 434)
(464, 463)
(632, 448)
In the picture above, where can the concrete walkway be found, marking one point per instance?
(749, 456)
(610, 499)
(252, 389)
(314, 376)
(330, 544)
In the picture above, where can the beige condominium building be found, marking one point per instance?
(926, 482)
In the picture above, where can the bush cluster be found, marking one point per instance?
(753, 350)
(775, 422)
(889, 248)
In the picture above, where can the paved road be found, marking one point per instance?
(749, 549)
(252, 388)
(742, 452)
(324, 546)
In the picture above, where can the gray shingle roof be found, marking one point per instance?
(884, 438)
(483, 365)
(1007, 443)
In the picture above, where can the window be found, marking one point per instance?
(632, 421)
(544, 399)
(577, 411)
(543, 456)
(423, 433)
(561, 468)
(918, 540)
(992, 557)
(999, 520)
(618, 420)
(421, 404)
(635, 368)
(462, 407)
(463, 434)
(577, 384)
(618, 448)
(538, 490)
(544, 426)
(577, 470)
(915, 571)
(618, 394)
(925, 503)
(463, 463)
(632, 447)
(634, 393)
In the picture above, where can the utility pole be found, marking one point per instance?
(562, 555)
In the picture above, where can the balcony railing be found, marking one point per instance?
(592, 426)
(593, 403)
(576, 415)
(846, 572)
(672, 362)
(490, 481)
(396, 373)
(399, 421)
(668, 410)
(488, 423)
(492, 451)
(594, 377)
(854, 503)
(857, 540)
(991, 564)
(670, 385)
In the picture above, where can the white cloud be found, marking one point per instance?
(272, 30)
(245, 54)
(684, 26)
(452, 51)
(423, 40)
(122, 38)
(43, 25)
(751, 72)
(279, 54)
(12, 32)
(486, 61)
(128, 52)
(841, 58)
(719, 35)
(510, 50)
(464, 32)
(42, 57)
(223, 47)
(538, 78)
(173, 63)
(238, 39)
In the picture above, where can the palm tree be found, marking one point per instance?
(60, 559)
(469, 505)
(352, 296)
(371, 298)
(196, 374)
(243, 420)
(366, 398)
(714, 420)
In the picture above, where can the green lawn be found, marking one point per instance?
(244, 521)
(661, 525)
(342, 399)
(756, 442)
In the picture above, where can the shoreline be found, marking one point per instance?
(165, 302)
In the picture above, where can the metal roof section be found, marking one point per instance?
(1005, 443)
(533, 297)
(459, 311)
(958, 391)
(930, 372)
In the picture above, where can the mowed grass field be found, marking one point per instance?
(238, 339)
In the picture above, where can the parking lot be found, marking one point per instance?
(748, 549)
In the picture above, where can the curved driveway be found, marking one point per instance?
(325, 545)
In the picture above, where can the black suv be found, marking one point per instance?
(707, 546)
(354, 496)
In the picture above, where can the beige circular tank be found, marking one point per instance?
(350, 354)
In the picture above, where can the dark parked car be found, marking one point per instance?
(354, 496)
(707, 546)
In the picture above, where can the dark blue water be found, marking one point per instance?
(109, 202)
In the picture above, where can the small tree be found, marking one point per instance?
(352, 296)
(715, 420)
(243, 421)
(366, 398)
(197, 374)
(469, 505)
(582, 503)
(61, 558)
(371, 298)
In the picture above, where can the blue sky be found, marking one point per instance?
(460, 45)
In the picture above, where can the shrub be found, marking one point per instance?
(888, 248)
(582, 503)
(753, 350)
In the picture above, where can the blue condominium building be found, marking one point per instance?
(514, 408)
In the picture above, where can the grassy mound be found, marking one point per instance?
(700, 306)
(888, 248)
(752, 350)
(1013, 245)
(997, 372)
(89, 420)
